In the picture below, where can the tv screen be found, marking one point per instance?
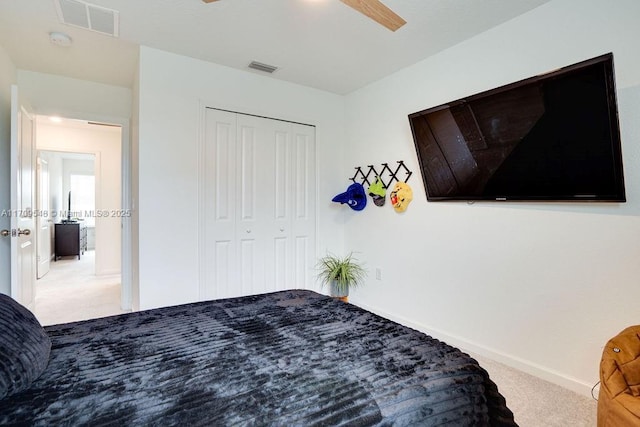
(552, 137)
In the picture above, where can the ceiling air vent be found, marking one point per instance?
(262, 67)
(88, 16)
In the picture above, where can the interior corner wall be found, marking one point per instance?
(8, 76)
(173, 91)
(538, 286)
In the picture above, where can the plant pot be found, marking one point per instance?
(339, 292)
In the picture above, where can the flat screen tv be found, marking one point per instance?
(552, 137)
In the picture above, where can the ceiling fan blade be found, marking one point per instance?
(209, 1)
(377, 11)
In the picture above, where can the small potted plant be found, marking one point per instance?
(340, 274)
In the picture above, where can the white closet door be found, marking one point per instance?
(260, 207)
(219, 206)
(275, 206)
(303, 212)
(256, 185)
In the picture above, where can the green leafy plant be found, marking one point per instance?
(341, 272)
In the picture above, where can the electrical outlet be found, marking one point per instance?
(378, 273)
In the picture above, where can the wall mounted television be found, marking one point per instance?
(552, 137)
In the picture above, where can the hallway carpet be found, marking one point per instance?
(71, 291)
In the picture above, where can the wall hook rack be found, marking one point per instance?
(387, 175)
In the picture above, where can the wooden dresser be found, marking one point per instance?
(70, 239)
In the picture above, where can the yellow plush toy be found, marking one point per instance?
(401, 196)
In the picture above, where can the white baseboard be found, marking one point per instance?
(465, 345)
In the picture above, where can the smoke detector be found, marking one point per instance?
(60, 39)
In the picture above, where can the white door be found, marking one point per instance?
(303, 209)
(23, 252)
(288, 205)
(43, 218)
(218, 220)
(254, 200)
(259, 205)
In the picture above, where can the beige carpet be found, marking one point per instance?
(539, 403)
(71, 291)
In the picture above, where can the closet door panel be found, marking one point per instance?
(278, 263)
(302, 181)
(304, 262)
(281, 264)
(257, 200)
(303, 221)
(223, 270)
(247, 179)
(219, 205)
(281, 167)
(249, 271)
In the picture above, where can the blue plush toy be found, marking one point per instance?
(355, 197)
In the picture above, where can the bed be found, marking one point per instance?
(289, 358)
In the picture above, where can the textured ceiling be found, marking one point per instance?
(317, 43)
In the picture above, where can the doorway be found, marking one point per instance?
(83, 162)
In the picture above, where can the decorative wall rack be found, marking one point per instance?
(387, 175)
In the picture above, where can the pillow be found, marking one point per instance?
(24, 347)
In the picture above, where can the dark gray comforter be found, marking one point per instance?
(291, 358)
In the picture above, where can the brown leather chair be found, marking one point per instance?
(619, 397)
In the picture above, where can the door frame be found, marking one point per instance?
(126, 294)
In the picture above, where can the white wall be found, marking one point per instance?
(8, 76)
(172, 90)
(56, 95)
(105, 143)
(539, 286)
